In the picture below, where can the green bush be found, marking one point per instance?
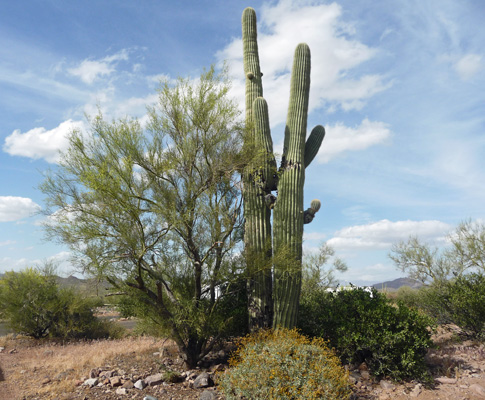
(33, 304)
(460, 301)
(283, 364)
(465, 303)
(391, 339)
(409, 296)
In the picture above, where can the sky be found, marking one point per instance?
(398, 85)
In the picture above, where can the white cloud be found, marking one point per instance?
(382, 234)
(60, 260)
(41, 143)
(335, 55)
(89, 70)
(14, 208)
(340, 138)
(314, 236)
(7, 243)
(468, 66)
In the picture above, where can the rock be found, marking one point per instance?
(208, 395)
(90, 382)
(365, 374)
(217, 368)
(128, 385)
(2, 349)
(415, 392)
(203, 380)
(13, 351)
(363, 367)
(115, 381)
(149, 398)
(386, 385)
(478, 389)
(108, 374)
(121, 391)
(445, 381)
(93, 373)
(45, 381)
(140, 384)
(154, 380)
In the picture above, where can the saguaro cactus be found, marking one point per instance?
(260, 178)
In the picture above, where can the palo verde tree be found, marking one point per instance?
(275, 251)
(156, 210)
(432, 265)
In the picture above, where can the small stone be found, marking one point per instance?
(386, 385)
(115, 381)
(154, 380)
(2, 349)
(93, 373)
(45, 381)
(203, 380)
(128, 384)
(363, 367)
(24, 371)
(13, 351)
(121, 391)
(445, 381)
(207, 395)
(108, 374)
(478, 389)
(149, 398)
(416, 391)
(365, 374)
(140, 384)
(156, 354)
(218, 367)
(90, 382)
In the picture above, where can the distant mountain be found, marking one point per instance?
(397, 283)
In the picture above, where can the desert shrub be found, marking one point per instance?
(408, 296)
(33, 304)
(463, 301)
(460, 301)
(284, 364)
(366, 327)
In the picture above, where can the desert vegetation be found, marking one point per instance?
(180, 217)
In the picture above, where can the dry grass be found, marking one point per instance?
(64, 365)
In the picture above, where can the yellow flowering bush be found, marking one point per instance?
(284, 364)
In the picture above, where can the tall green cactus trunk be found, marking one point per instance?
(260, 179)
(288, 210)
(257, 236)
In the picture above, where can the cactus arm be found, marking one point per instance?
(313, 143)
(252, 70)
(309, 213)
(264, 144)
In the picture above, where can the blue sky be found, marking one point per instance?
(399, 87)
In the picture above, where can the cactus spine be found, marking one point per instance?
(260, 178)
